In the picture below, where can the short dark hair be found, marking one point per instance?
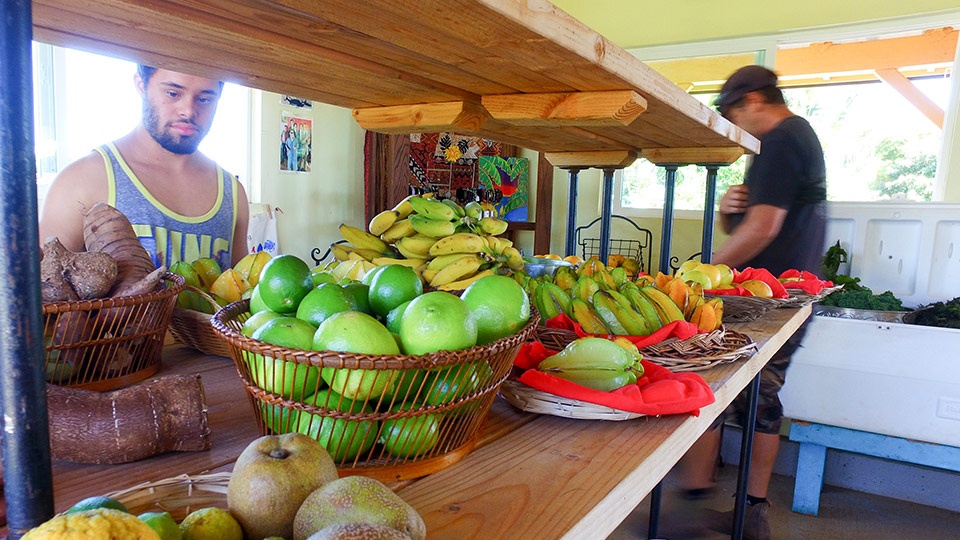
(146, 72)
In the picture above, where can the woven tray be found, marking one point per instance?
(696, 353)
(532, 400)
(749, 308)
(179, 495)
(803, 298)
(194, 328)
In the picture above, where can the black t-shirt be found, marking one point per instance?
(789, 172)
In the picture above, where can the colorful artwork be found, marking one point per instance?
(511, 177)
(296, 145)
(447, 162)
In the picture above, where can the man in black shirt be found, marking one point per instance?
(776, 220)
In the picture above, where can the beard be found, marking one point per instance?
(171, 142)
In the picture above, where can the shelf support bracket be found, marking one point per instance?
(583, 109)
(463, 116)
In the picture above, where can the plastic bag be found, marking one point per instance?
(262, 230)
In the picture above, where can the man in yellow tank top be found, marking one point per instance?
(181, 203)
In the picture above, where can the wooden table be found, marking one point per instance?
(532, 476)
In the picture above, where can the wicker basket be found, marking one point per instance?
(194, 329)
(532, 400)
(179, 495)
(802, 298)
(696, 353)
(108, 343)
(749, 308)
(453, 423)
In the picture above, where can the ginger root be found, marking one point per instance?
(69, 276)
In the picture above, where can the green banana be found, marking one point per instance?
(457, 209)
(666, 307)
(583, 312)
(437, 228)
(433, 209)
(492, 225)
(473, 210)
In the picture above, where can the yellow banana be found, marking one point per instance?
(412, 263)
(339, 252)
(492, 225)
(439, 263)
(462, 284)
(416, 246)
(514, 258)
(398, 230)
(363, 239)
(461, 268)
(383, 221)
(436, 228)
(458, 243)
(495, 244)
(404, 208)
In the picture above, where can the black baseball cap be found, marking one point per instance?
(743, 81)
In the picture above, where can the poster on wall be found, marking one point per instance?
(509, 178)
(296, 143)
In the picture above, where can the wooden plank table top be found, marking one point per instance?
(532, 476)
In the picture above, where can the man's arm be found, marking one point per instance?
(72, 193)
(759, 227)
(239, 246)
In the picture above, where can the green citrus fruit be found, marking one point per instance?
(344, 439)
(368, 277)
(358, 292)
(410, 386)
(500, 305)
(437, 321)
(410, 436)
(355, 332)
(289, 379)
(279, 419)
(210, 524)
(453, 383)
(394, 316)
(284, 281)
(98, 501)
(257, 320)
(163, 523)
(256, 301)
(319, 278)
(391, 286)
(323, 301)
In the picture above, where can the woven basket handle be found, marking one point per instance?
(203, 294)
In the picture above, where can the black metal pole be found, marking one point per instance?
(571, 248)
(709, 201)
(27, 476)
(653, 524)
(746, 451)
(666, 236)
(606, 209)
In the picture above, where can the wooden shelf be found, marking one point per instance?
(523, 73)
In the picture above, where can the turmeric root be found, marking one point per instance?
(108, 230)
(165, 414)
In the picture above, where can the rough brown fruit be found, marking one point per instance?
(354, 499)
(358, 531)
(272, 477)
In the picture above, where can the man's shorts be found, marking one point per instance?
(769, 408)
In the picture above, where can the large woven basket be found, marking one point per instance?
(108, 343)
(179, 495)
(699, 352)
(749, 308)
(536, 401)
(454, 424)
(194, 329)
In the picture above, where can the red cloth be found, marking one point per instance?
(677, 329)
(765, 276)
(808, 283)
(660, 391)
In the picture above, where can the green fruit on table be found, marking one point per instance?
(357, 499)
(272, 477)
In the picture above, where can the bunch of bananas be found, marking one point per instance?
(448, 245)
(605, 301)
(597, 363)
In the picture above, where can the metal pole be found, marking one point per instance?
(746, 451)
(606, 206)
(709, 201)
(666, 236)
(27, 475)
(571, 248)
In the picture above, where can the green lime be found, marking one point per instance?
(391, 286)
(257, 320)
(344, 439)
(210, 524)
(98, 501)
(410, 436)
(323, 301)
(163, 523)
(284, 281)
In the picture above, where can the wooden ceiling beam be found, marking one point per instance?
(582, 109)
(917, 98)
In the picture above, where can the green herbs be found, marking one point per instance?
(853, 295)
(943, 314)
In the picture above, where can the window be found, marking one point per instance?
(878, 125)
(82, 100)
